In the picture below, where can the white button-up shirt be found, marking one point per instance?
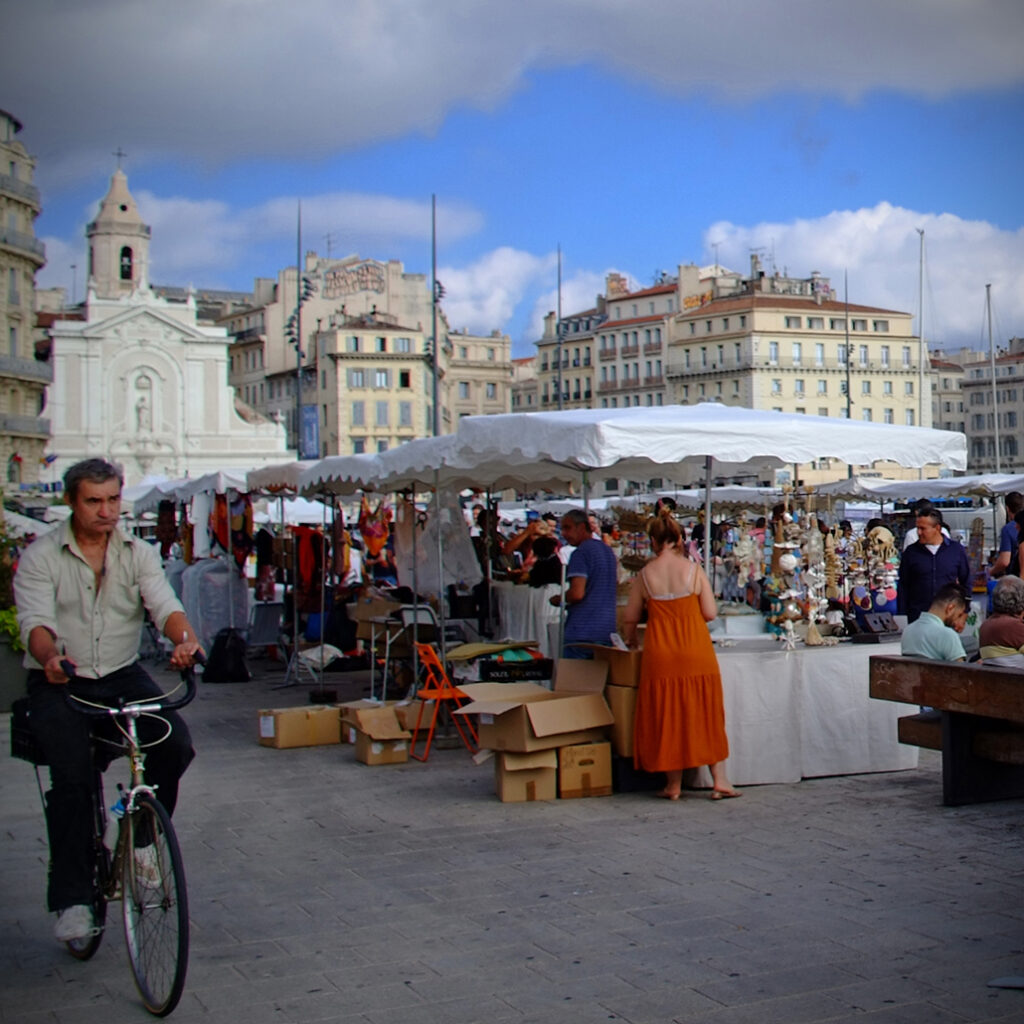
(55, 587)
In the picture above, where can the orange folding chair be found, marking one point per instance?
(438, 688)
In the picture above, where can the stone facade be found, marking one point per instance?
(23, 378)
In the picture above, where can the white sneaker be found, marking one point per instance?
(74, 923)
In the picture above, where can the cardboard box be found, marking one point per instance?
(622, 701)
(585, 769)
(311, 726)
(623, 666)
(379, 738)
(362, 611)
(524, 717)
(347, 710)
(494, 671)
(522, 778)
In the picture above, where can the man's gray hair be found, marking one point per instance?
(577, 516)
(1008, 596)
(96, 471)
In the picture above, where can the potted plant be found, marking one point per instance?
(12, 674)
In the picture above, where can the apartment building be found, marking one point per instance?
(947, 376)
(523, 393)
(995, 413)
(565, 360)
(480, 374)
(789, 345)
(23, 378)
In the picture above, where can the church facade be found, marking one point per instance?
(139, 379)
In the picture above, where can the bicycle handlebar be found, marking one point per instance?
(188, 677)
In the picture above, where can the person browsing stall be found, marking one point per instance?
(1001, 636)
(590, 598)
(935, 633)
(81, 591)
(1009, 539)
(928, 564)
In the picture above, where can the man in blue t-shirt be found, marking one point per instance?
(591, 597)
(1008, 538)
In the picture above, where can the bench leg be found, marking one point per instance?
(967, 779)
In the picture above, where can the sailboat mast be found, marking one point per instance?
(992, 364)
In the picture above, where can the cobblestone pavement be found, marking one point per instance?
(323, 890)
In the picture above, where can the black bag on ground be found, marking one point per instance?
(226, 663)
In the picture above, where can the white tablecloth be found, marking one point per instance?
(805, 714)
(526, 612)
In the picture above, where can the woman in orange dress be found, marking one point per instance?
(680, 718)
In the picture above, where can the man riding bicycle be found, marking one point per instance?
(81, 592)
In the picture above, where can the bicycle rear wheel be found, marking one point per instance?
(154, 905)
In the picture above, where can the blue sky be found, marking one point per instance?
(637, 138)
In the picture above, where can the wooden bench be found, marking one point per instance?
(977, 722)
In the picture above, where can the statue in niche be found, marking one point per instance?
(143, 408)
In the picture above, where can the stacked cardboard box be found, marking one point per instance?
(311, 726)
(379, 736)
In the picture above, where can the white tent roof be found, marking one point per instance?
(987, 485)
(282, 476)
(19, 525)
(340, 474)
(635, 439)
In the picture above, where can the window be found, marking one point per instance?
(693, 327)
(356, 378)
(380, 344)
(13, 341)
(865, 387)
(358, 445)
(798, 386)
(743, 320)
(491, 390)
(126, 263)
(773, 351)
(816, 323)
(886, 387)
(822, 387)
(910, 417)
(865, 415)
(887, 416)
(358, 414)
(404, 379)
(323, 380)
(686, 359)
(463, 352)
(463, 389)
(862, 355)
(776, 386)
(352, 343)
(382, 446)
(819, 354)
(382, 379)
(403, 345)
(880, 326)
(725, 323)
(858, 325)
(837, 323)
(381, 417)
(405, 414)
(885, 357)
(908, 387)
(707, 326)
(797, 353)
(792, 321)
(703, 356)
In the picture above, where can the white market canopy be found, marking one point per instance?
(634, 440)
(986, 485)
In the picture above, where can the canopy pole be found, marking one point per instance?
(415, 589)
(441, 613)
(708, 463)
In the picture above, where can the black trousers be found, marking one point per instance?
(65, 737)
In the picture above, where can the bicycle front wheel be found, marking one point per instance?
(155, 905)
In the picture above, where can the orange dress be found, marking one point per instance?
(680, 717)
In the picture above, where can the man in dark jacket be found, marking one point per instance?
(932, 561)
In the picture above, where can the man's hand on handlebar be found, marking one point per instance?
(55, 669)
(186, 654)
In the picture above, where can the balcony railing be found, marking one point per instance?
(630, 350)
(28, 369)
(31, 425)
(22, 189)
(656, 381)
(652, 348)
(23, 241)
(605, 354)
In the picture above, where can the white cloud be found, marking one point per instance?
(206, 242)
(484, 296)
(217, 80)
(879, 248)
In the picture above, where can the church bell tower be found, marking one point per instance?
(118, 243)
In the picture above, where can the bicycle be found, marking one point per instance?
(145, 870)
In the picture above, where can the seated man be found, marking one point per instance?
(935, 633)
(1002, 634)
